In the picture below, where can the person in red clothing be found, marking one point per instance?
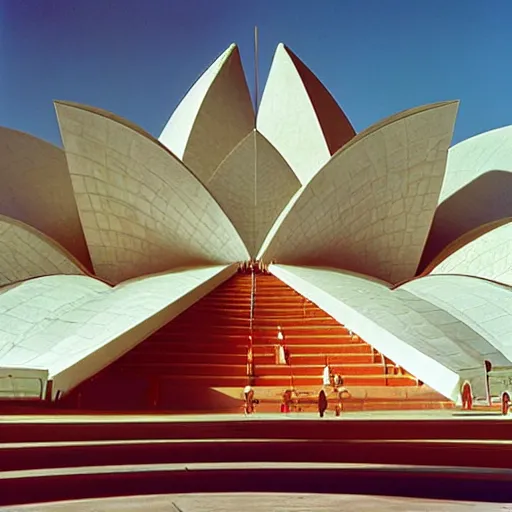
(287, 401)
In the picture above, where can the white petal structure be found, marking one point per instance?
(142, 210)
(74, 326)
(214, 116)
(340, 217)
(478, 173)
(472, 158)
(253, 184)
(35, 189)
(488, 256)
(484, 306)
(26, 253)
(370, 208)
(427, 340)
(300, 117)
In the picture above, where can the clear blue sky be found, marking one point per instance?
(138, 58)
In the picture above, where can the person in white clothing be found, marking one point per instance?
(326, 378)
(280, 348)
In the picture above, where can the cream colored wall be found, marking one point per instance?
(23, 383)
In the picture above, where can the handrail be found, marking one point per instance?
(253, 294)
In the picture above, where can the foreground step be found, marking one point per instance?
(412, 481)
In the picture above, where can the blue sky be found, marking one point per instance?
(138, 58)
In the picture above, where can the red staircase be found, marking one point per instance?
(313, 337)
(179, 366)
(197, 362)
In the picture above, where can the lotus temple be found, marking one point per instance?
(387, 252)
(149, 286)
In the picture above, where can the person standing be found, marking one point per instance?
(248, 400)
(280, 347)
(250, 360)
(341, 394)
(326, 375)
(322, 403)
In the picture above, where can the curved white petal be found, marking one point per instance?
(369, 209)
(489, 256)
(429, 341)
(476, 156)
(300, 117)
(142, 210)
(35, 189)
(484, 306)
(477, 189)
(26, 253)
(74, 326)
(214, 116)
(253, 185)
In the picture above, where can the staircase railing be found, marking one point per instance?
(253, 296)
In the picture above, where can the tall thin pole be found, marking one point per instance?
(256, 74)
(256, 101)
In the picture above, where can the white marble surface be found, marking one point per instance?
(370, 208)
(213, 117)
(489, 256)
(75, 325)
(287, 117)
(484, 306)
(427, 340)
(473, 157)
(142, 210)
(26, 253)
(252, 185)
(35, 188)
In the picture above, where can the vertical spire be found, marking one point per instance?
(256, 74)
(256, 99)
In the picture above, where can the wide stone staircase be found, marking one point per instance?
(180, 366)
(197, 362)
(313, 339)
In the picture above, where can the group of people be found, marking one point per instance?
(331, 382)
(252, 266)
(334, 381)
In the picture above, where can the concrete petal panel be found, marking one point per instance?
(478, 173)
(36, 189)
(214, 116)
(26, 253)
(484, 306)
(369, 209)
(471, 158)
(300, 117)
(489, 256)
(142, 210)
(253, 185)
(425, 339)
(74, 326)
